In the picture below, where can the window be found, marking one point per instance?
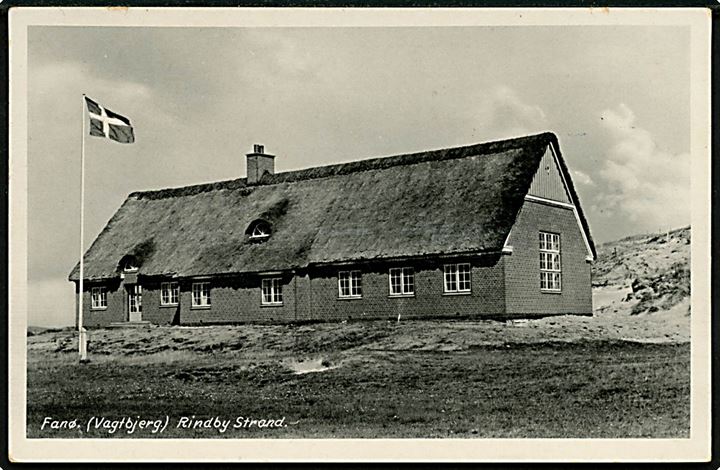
(130, 268)
(350, 284)
(457, 278)
(201, 294)
(169, 293)
(550, 271)
(402, 281)
(272, 291)
(98, 298)
(129, 264)
(135, 299)
(259, 230)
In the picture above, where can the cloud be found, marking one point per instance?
(284, 54)
(582, 178)
(54, 126)
(647, 184)
(502, 113)
(64, 76)
(58, 87)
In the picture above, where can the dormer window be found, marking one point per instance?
(259, 230)
(130, 267)
(129, 264)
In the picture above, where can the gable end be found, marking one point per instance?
(548, 182)
(555, 189)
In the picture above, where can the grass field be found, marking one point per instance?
(558, 377)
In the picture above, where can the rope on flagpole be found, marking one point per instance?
(82, 337)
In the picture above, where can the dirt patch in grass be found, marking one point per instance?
(309, 366)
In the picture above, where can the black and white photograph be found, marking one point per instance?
(232, 230)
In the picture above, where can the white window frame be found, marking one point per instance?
(204, 299)
(453, 272)
(354, 284)
(550, 262)
(172, 289)
(98, 298)
(406, 282)
(273, 287)
(135, 299)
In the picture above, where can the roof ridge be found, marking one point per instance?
(355, 166)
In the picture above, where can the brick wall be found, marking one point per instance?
(152, 311)
(522, 268)
(237, 300)
(313, 296)
(115, 311)
(234, 300)
(485, 299)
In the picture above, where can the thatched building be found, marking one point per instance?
(492, 230)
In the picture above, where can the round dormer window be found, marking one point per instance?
(129, 264)
(259, 230)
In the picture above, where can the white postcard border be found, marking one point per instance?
(696, 448)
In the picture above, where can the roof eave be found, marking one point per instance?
(393, 259)
(573, 193)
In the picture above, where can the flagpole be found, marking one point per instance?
(82, 339)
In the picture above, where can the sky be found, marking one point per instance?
(617, 97)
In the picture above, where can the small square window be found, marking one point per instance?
(272, 291)
(169, 293)
(457, 278)
(402, 281)
(350, 284)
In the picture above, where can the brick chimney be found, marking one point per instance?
(259, 163)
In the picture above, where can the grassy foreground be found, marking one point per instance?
(372, 380)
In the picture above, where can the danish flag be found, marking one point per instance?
(105, 123)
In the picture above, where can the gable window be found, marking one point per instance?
(272, 291)
(98, 298)
(457, 278)
(402, 281)
(169, 293)
(135, 299)
(550, 269)
(201, 294)
(350, 284)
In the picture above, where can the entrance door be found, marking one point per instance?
(135, 302)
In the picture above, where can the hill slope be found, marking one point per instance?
(644, 274)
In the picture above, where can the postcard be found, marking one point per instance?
(263, 234)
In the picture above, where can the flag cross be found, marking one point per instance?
(106, 120)
(108, 124)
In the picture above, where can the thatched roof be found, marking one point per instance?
(448, 201)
